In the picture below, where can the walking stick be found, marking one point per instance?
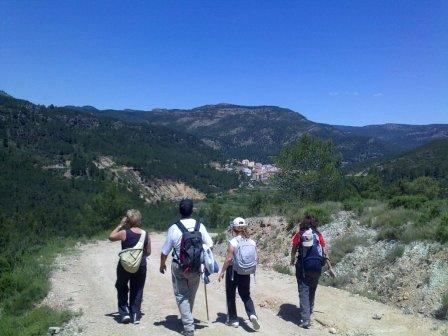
(206, 301)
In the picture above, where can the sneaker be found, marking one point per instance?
(254, 320)
(125, 318)
(305, 324)
(188, 333)
(234, 323)
(136, 318)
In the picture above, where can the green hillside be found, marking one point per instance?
(56, 134)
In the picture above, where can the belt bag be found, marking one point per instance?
(131, 258)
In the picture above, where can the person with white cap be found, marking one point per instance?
(310, 245)
(240, 263)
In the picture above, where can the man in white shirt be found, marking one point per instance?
(185, 284)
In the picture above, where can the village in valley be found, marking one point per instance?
(256, 171)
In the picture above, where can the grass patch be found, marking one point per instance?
(346, 245)
(25, 285)
(283, 269)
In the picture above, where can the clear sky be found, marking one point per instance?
(340, 62)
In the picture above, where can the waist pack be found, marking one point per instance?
(131, 258)
(245, 257)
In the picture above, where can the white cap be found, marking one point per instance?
(307, 238)
(239, 222)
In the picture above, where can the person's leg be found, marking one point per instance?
(304, 297)
(122, 292)
(137, 284)
(244, 292)
(313, 280)
(231, 285)
(181, 293)
(193, 285)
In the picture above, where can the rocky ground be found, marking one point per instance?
(412, 277)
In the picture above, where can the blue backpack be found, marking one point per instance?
(313, 257)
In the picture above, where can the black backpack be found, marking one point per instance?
(190, 249)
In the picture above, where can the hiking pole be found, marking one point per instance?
(206, 301)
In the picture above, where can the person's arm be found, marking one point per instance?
(148, 246)
(228, 260)
(206, 239)
(293, 254)
(163, 258)
(117, 233)
(166, 249)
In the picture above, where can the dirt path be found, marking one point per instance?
(84, 280)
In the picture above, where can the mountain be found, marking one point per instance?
(254, 132)
(54, 135)
(401, 137)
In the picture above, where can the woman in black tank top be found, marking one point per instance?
(130, 297)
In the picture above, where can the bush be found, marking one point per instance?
(321, 212)
(442, 229)
(337, 282)
(355, 205)
(344, 246)
(394, 254)
(408, 202)
(442, 312)
(220, 237)
(283, 269)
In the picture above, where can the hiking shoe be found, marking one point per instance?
(254, 320)
(125, 318)
(136, 318)
(305, 324)
(234, 323)
(188, 333)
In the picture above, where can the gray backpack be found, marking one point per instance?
(245, 257)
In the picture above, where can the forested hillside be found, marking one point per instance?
(400, 136)
(56, 134)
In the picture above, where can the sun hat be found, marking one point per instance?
(239, 223)
(307, 238)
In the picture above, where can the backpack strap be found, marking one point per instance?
(181, 227)
(142, 239)
(197, 226)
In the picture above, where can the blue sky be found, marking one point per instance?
(340, 62)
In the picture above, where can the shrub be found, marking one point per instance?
(394, 254)
(283, 269)
(442, 312)
(408, 201)
(220, 237)
(322, 212)
(354, 204)
(346, 245)
(442, 229)
(337, 282)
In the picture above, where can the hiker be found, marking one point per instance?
(310, 245)
(131, 235)
(240, 263)
(185, 238)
